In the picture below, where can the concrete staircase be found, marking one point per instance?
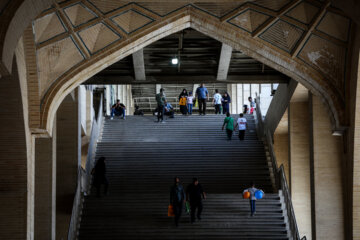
(144, 156)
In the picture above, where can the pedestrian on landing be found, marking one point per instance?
(99, 172)
(229, 122)
(182, 101)
(252, 198)
(195, 194)
(226, 100)
(177, 199)
(202, 94)
(217, 101)
(190, 103)
(242, 123)
(161, 100)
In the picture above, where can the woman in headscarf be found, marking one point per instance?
(182, 101)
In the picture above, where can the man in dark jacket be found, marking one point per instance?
(99, 173)
(195, 194)
(177, 198)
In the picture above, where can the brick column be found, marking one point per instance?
(300, 183)
(45, 187)
(328, 188)
(67, 160)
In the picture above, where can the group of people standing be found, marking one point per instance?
(187, 102)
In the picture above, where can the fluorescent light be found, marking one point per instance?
(174, 61)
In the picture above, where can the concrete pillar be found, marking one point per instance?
(139, 66)
(67, 161)
(89, 111)
(300, 184)
(232, 90)
(224, 62)
(328, 188)
(107, 100)
(158, 86)
(45, 187)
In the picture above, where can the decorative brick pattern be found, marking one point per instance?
(283, 35)
(78, 14)
(249, 20)
(98, 37)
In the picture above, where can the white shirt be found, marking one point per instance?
(242, 123)
(217, 98)
(252, 191)
(190, 99)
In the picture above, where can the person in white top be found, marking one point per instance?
(190, 102)
(242, 123)
(217, 101)
(253, 199)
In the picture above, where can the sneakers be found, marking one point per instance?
(112, 118)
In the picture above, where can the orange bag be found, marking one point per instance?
(182, 101)
(170, 211)
(246, 195)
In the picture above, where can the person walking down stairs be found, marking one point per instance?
(229, 122)
(254, 195)
(177, 199)
(99, 172)
(195, 194)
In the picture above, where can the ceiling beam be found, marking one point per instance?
(174, 79)
(139, 66)
(224, 62)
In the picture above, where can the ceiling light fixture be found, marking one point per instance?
(174, 61)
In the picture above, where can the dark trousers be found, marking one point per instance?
(194, 206)
(217, 108)
(161, 110)
(241, 134)
(202, 106)
(98, 181)
(225, 109)
(183, 109)
(177, 211)
(229, 134)
(252, 206)
(170, 113)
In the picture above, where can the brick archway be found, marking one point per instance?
(310, 48)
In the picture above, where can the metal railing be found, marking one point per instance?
(279, 173)
(84, 175)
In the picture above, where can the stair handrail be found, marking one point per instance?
(279, 173)
(84, 175)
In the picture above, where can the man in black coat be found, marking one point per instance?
(195, 194)
(99, 173)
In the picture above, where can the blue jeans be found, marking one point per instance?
(190, 108)
(252, 206)
(118, 113)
